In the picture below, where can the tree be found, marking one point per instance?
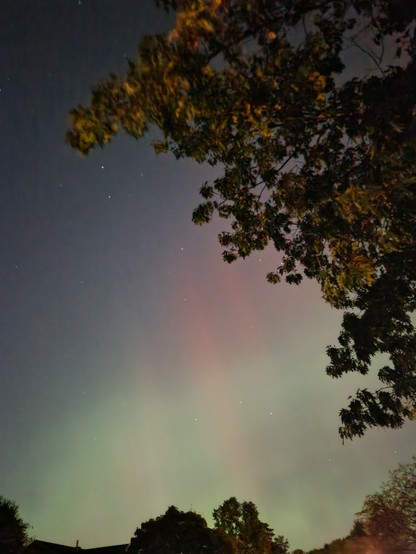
(177, 532)
(358, 529)
(316, 162)
(280, 545)
(13, 530)
(389, 515)
(387, 525)
(240, 521)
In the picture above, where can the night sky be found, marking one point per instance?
(138, 370)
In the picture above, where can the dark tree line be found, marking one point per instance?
(237, 530)
(385, 524)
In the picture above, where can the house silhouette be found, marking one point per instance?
(43, 547)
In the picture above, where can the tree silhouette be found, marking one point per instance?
(177, 532)
(13, 530)
(389, 515)
(240, 521)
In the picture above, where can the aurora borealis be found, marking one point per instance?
(138, 369)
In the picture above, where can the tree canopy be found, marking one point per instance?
(238, 530)
(240, 521)
(13, 530)
(389, 515)
(177, 532)
(318, 158)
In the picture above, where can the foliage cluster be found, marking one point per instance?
(387, 520)
(13, 530)
(316, 162)
(238, 530)
(177, 532)
(389, 515)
